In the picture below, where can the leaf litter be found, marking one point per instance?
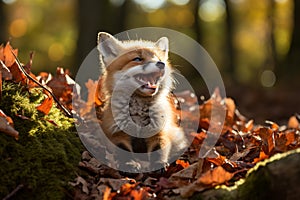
(240, 146)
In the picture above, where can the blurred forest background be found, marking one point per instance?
(254, 43)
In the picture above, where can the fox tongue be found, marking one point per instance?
(151, 86)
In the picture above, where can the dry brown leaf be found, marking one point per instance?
(6, 126)
(183, 163)
(106, 194)
(187, 173)
(6, 74)
(80, 181)
(116, 184)
(91, 86)
(267, 136)
(63, 87)
(99, 96)
(215, 177)
(138, 194)
(230, 105)
(46, 105)
(6, 55)
(293, 122)
(262, 156)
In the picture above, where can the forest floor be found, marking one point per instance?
(39, 143)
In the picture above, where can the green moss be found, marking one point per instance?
(46, 156)
(272, 178)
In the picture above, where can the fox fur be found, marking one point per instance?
(139, 114)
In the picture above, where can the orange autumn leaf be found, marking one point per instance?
(267, 136)
(290, 137)
(6, 55)
(45, 106)
(262, 156)
(106, 194)
(98, 96)
(215, 177)
(126, 188)
(13, 69)
(183, 163)
(138, 194)
(249, 126)
(230, 105)
(92, 90)
(293, 122)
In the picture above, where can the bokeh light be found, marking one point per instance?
(268, 78)
(150, 5)
(184, 18)
(157, 18)
(211, 10)
(180, 2)
(18, 28)
(8, 1)
(56, 51)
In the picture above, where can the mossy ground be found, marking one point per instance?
(273, 178)
(45, 157)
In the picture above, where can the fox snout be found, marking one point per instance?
(156, 66)
(160, 65)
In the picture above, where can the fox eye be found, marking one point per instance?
(137, 59)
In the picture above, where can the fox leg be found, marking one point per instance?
(124, 153)
(159, 153)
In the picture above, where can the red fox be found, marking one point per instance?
(139, 113)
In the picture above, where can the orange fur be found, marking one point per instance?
(118, 58)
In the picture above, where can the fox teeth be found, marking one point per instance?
(140, 79)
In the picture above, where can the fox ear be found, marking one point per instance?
(109, 47)
(163, 44)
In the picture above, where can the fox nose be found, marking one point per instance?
(160, 65)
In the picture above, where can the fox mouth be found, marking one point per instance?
(149, 82)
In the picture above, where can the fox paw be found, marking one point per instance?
(160, 167)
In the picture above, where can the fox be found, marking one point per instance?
(139, 115)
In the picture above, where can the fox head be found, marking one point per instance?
(136, 65)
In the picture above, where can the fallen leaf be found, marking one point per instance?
(46, 105)
(6, 74)
(293, 122)
(80, 181)
(6, 126)
(166, 183)
(126, 188)
(248, 126)
(44, 77)
(215, 177)
(116, 184)
(182, 163)
(230, 105)
(6, 54)
(262, 156)
(267, 136)
(138, 194)
(106, 194)
(64, 87)
(185, 174)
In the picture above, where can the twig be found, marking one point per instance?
(66, 111)
(13, 192)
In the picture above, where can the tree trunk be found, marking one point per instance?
(3, 34)
(290, 68)
(230, 65)
(271, 59)
(196, 26)
(95, 16)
